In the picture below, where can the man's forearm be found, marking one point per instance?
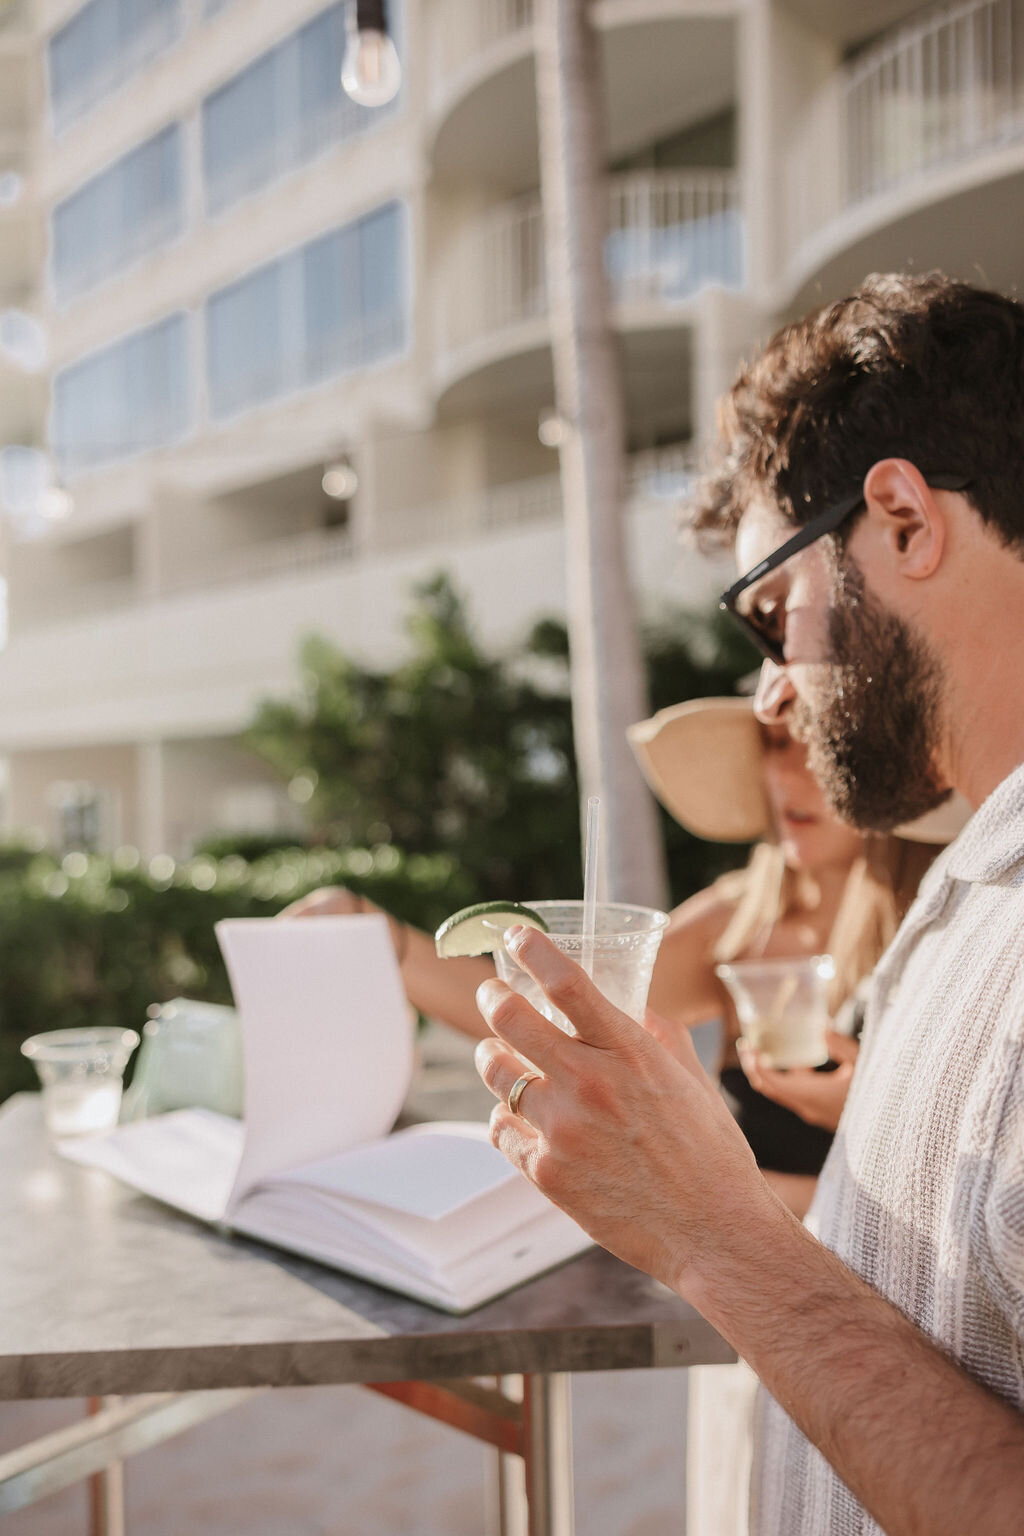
(925, 1448)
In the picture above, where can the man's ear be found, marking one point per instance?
(905, 515)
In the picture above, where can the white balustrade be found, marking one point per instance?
(951, 84)
(948, 86)
(669, 234)
(657, 474)
(466, 29)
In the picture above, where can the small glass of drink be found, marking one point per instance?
(782, 1007)
(80, 1071)
(626, 940)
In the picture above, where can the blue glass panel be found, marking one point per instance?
(132, 207)
(101, 46)
(122, 400)
(245, 342)
(280, 111)
(336, 304)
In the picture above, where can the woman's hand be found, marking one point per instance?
(329, 901)
(337, 901)
(817, 1097)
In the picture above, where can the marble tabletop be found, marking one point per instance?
(105, 1291)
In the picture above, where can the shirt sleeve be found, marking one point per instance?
(1004, 1202)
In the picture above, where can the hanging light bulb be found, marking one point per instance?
(370, 71)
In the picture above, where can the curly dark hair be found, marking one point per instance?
(923, 368)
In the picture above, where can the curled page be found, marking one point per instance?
(327, 1034)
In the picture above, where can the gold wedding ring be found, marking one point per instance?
(516, 1091)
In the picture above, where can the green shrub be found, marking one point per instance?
(458, 751)
(88, 942)
(448, 780)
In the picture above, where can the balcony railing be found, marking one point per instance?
(936, 92)
(952, 84)
(670, 234)
(299, 554)
(73, 603)
(467, 29)
(655, 475)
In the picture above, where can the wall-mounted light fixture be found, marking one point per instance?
(340, 481)
(552, 429)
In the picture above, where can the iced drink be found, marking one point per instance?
(80, 1072)
(782, 1007)
(626, 943)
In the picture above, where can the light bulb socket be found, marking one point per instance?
(371, 16)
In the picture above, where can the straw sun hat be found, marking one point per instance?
(703, 761)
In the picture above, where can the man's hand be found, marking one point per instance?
(329, 901)
(817, 1097)
(634, 1142)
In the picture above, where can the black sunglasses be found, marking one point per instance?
(758, 627)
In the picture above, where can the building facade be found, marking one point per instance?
(220, 279)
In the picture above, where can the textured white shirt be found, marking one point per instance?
(923, 1191)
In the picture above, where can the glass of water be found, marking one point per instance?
(80, 1071)
(626, 940)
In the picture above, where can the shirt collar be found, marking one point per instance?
(992, 842)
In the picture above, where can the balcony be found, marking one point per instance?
(666, 64)
(670, 235)
(196, 660)
(932, 113)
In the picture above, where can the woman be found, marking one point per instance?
(812, 885)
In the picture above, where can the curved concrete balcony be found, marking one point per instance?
(196, 660)
(671, 233)
(912, 149)
(665, 62)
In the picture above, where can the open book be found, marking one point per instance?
(433, 1211)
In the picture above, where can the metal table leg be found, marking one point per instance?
(106, 1488)
(528, 1420)
(535, 1493)
(547, 1453)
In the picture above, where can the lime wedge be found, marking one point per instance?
(477, 930)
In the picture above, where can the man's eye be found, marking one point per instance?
(770, 617)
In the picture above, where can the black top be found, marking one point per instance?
(778, 1138)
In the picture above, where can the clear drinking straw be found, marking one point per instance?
(590, 883)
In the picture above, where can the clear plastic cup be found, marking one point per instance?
(80, 1071)
(782, 1007)
(626, 940)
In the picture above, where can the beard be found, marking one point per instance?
(872, 738)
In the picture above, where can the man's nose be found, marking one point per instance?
(775, 695)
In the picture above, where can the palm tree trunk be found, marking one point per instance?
(608, 688)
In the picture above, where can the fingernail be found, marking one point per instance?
(513, 936)
(487, 995)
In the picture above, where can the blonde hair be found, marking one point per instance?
(879, 888)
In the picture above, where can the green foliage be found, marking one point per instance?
(448, 780)
(91, 942)
(472, 755)
(453, 751)
(247, 845)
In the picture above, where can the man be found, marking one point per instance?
(871, 471)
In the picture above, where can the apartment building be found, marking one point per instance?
(223, 279)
